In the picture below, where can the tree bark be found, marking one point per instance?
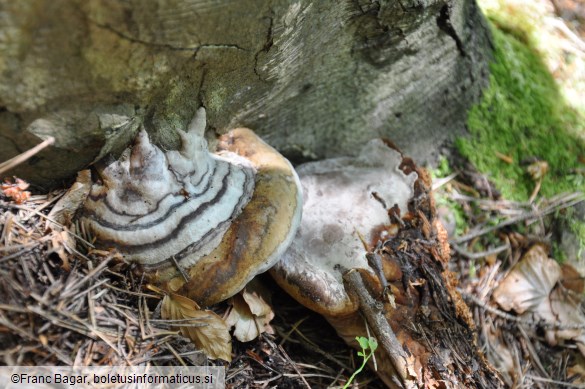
(315, 79)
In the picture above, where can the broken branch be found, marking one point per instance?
(379, 325)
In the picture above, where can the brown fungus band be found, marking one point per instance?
(197, 223)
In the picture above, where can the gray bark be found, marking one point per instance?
(314, 78)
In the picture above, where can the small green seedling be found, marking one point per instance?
(366, 344)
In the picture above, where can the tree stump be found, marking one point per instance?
(314, 79)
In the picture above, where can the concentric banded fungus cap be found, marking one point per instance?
(343, 199)
(199, 224)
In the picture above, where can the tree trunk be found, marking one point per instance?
(315, 79)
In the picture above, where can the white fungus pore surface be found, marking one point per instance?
(339, 203)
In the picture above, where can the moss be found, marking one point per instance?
(522, 115)
(558, 253)
(442, 170)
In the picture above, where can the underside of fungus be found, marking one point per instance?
(346, 204)
(197, 223)
(370, 256)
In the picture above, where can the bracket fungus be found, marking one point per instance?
(197, 223)
(345, 200)
(370, 256)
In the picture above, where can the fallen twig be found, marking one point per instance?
(15, 161)
(568, 201)
(483, 254)
(380, 327)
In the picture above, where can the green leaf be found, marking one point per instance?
(364, 342)
(373, 343)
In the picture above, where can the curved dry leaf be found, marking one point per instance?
(531, 289)
(572, 279)
(563, 308)
(213, 336)
(60, 243)
(64, 210)
(567, 311)
(257, 299)
(250, 315)
(529, 282)
(240, 317)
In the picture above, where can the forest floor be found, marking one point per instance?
(63, 305)
(499, 197)
(511, 196)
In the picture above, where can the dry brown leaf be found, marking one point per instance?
(16, 190)
(213, 337)
(256, 301)
(411, 367)
(64, 210)
(529, 282)
(61, 242)
(533, 288)
(537, 170)
(577, 371)
(242, 319)
(563, 308)
(430, 382)
(572, 279)
(250, 313)
(498, 352)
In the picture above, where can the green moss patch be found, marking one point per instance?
(523, 115)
